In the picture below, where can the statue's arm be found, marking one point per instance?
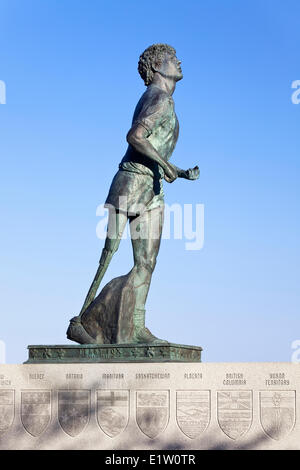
(137, 138)
(190, 174)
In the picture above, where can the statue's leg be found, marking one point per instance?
(115, 228)
(145, 232)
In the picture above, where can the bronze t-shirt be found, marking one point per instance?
(138, 183)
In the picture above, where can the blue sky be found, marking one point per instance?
(70, 69)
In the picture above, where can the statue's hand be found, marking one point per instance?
(170, 173)
(193, 173)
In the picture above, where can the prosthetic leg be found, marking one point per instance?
(116, 225)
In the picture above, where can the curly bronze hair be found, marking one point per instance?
(152, 56)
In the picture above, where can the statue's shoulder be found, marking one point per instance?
(156, 95)
(154, 102)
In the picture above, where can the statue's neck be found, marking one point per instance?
(165, 83)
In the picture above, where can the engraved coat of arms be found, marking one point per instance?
(7, 409)
(277, 412)
(235, 412)
(35, 410)
(193, 411)
(112, 411)
(152, 411)
(73, 410)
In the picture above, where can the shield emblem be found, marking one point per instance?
(7, 409)
(112, 411)
(235, 412)
(35, 410)
(193, 411)
(152, 413)
(73, 410)
(277, 412)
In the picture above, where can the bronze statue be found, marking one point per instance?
(117, 315)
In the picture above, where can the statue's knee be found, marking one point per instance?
(153, 263)
(147, 266)
(111, 245)
(108, 252)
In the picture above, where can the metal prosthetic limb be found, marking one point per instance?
(105, 259)
(115, 228)
(76, 331)
(116, 225)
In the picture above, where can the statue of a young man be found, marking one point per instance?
(117, 315)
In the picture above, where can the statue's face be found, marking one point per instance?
(170, 67)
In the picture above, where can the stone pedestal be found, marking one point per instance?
(158, 352)
(187, 405)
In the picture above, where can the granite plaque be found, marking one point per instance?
(150, 406)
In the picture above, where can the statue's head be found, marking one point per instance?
(159, 58)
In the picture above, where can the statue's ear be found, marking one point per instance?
(155, 67)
